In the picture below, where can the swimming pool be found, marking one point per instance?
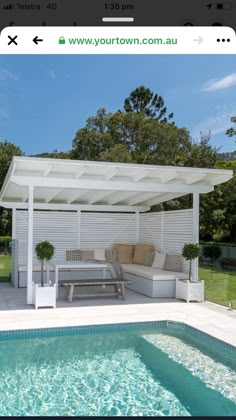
(151, 368)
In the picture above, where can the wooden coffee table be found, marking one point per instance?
(119, 286)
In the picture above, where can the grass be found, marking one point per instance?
(5, 268)
(220, 285)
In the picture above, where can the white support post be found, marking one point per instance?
(13, 232)
(137, 225)
(162, 231)
(78, 228)
(195, 232)
(30, 246)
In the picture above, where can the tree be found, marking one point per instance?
(231, 132)
(117, 153)
(146, 140)
(94, 138)
(7, 151)
(142, 100)
(203, 154)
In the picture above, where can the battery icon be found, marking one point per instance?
(224, 6)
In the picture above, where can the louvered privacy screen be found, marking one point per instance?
(168, 231)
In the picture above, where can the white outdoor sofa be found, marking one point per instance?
(153, 282)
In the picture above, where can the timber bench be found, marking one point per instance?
(119, 286)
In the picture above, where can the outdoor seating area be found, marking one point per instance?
(93, 213)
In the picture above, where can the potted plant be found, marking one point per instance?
(187, 289)
(190, 252)
(45, 294)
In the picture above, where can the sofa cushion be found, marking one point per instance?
(99, 254)
(173, 262)
(159, 260)
(125, 253)
(152, 273)
(72, 254)
(139, 252)
(86, 254)
(148, 258)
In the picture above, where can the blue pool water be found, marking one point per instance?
(149, 369)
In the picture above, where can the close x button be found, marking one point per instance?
(12, 40)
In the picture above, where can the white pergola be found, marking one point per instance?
(59, 184)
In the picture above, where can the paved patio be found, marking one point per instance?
(16, 314)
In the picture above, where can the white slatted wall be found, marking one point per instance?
(60, 228)
(175, 230)
(168, 231)
(97, 230)
(101, 230)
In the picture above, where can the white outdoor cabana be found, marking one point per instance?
(80, 203)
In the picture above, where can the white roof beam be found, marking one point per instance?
(119, 197)
(110, 174)
(82, 207)
(162, 198)
(195, 178)
(139, 199)
(79, 172)
(76, 195)
(111, 185)
(218, 179)
(47, 170)
(167, 176)
(99, 196)
(53, 195)
(140, 175)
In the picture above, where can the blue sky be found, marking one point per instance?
(44, 100)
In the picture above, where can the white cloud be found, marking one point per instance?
(52, 74)
(217, 123)
(6, 74)
(217, 84)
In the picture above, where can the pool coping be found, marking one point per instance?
(112, 327)
(207, 318)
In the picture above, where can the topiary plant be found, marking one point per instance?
(44, 251)
(212, 251)
(190, 252)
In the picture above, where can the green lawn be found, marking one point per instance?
(220, 285)
(5, 268)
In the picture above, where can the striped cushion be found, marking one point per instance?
(72, 255)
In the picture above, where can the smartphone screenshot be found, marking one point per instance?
(117, 214)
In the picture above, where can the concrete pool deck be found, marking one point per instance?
(210, 318)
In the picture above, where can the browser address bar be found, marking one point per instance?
(118, 40)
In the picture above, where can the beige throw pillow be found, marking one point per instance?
(125, 253)
(139, 252)
(86, 254)
(173, 263)
(159, 260)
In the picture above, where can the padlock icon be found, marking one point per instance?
(62, 40)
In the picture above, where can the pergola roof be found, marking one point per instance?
(72, 184)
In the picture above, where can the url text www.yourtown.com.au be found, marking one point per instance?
(122, 41)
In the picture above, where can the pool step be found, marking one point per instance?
(196, 397)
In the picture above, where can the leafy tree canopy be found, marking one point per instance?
(231, 132)
(142, 100)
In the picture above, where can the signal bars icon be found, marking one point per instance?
(8, 7)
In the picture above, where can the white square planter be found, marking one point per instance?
(190, 291)
(44, 296)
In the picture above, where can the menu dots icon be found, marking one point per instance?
(223, 40)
